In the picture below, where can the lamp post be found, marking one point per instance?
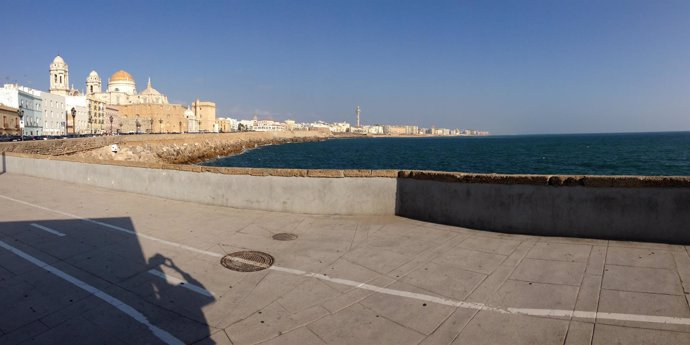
(111, 125)
(151, 126)
(20, 113)
(180, 123)
(160, 126)
(74, 123)
(138, 124)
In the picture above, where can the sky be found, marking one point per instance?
(510, 67)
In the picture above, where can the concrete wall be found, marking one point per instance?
(272, 193)
(622, 208)
(619, 213)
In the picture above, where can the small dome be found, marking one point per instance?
(189, 113)
(58, 59)
(121, 75)
(93, 74)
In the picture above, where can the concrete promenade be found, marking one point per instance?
(84, 265)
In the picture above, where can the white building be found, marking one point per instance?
(192, 122)
(29, 100)
(268, 126)
(81, 105)
(54, 120)
(245, 125)
(374, 129)
(340, 127)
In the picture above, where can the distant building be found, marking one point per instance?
(192, 122)
(54, 120)
(29, 101)
(205, 113)
(153, 118)
(112, 116)
(226, 125)
(10, 120)
(79, 123)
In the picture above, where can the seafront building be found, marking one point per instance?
(147, 111)
(10, 121)
(54, 116)
(120, 108)
(29, 101)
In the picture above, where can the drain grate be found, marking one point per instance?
(284, 236)
(247, 261)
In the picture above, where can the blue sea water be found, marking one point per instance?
(648, 154)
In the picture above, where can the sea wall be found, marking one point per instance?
(622, 208)
(655, 209)
(296, 191)
(161, 148)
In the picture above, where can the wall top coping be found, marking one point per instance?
(595, 181)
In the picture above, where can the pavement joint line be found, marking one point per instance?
(47, 229)
(131, 312)
(182, 283)
(548, 313)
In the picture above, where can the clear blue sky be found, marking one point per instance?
(506, 66)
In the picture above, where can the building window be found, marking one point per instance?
(60, 79)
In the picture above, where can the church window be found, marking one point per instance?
(56, 78)
(91, 88)
(60, 79)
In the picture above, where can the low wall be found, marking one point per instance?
(290, 193)
(648, 214)
(653, 209)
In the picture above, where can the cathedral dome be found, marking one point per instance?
(121, 75)
(58, 59)
(93, 74)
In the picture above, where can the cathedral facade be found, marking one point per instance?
(122, 90)
(147, 111)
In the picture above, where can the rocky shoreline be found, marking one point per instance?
(165, 148)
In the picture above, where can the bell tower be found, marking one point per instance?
(93, 83)
(59, 76)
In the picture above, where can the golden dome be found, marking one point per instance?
(121, 75)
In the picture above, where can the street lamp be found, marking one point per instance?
(160, 126)
(20, 113)
(180, 126)
(111, 125)
(138, 124)
(74, 124)
(151, 126)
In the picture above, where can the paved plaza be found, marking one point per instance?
(83, 265)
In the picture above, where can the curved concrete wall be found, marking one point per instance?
(356, 195)
(622, 208)
(636, 214)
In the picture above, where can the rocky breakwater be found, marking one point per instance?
(188, 149)
(160, 148)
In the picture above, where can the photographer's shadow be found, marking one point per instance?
(178, 291)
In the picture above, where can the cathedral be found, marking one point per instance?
(122, 90)
(147, 111)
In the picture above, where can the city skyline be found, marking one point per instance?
(510, 68)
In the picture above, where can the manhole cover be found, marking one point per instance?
(284, 236)
(247, 261)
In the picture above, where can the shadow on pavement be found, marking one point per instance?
(76, 282)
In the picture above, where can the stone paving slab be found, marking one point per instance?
(344, 280)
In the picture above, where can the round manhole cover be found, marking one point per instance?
(284, 236)
(247, 261)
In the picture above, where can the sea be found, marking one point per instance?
(650, 154)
